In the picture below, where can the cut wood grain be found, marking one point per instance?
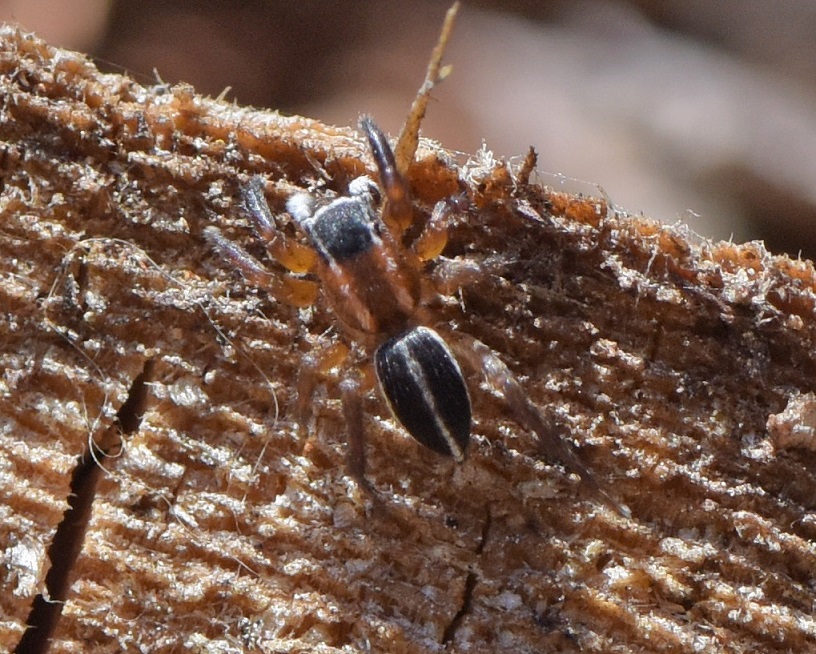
(675, 364)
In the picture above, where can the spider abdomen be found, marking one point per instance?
(425, 390)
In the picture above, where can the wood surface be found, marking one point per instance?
(682, 370)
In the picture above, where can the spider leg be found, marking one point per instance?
(311, 368)
(289, 290)
(551, 439)
(352, 390)
(397, 213)
(434, 236)
(295, 256)
(353, 414)
(306, 383)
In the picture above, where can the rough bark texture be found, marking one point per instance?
(683, 370)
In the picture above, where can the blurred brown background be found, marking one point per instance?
(691, 111)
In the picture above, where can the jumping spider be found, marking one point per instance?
(380, 292)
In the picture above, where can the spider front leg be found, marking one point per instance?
(295, 256)
(397, 213)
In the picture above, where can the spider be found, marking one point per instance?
(381, 292)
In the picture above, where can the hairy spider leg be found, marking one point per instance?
(289, 290)
(296, 257)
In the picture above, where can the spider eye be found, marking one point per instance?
(425, 390)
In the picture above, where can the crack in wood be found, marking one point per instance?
(69, 537)
(470, 585)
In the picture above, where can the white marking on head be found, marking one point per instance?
(301, 206)
(363, 187)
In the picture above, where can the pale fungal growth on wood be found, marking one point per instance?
(796, 425)
(214, 525)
